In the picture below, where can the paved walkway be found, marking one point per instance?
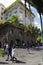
(35, 57)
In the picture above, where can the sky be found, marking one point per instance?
(37, 17)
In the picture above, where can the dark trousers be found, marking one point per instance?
(9, 54)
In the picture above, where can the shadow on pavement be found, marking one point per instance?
(38, 49)
(32, 53)
(4, 63)
(18, 61)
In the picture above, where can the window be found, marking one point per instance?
(15, 13)
(27, 21)
(19, 33)
(2, 8)
(11, 31)
(1, 13)
(21, 21)
(21, 15)
(1, 18)
(9, 16)
(27, 16)
(5, 17)
(21, 8)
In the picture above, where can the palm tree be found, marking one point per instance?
(29, 11)
(14, 19)
(38, 4)
(25, 13)
(35, 33)
(21, 25)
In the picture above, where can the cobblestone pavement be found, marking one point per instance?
(25, 57)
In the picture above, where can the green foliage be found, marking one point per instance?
(2, 22)
(2, 53)
(29, 26)
(33, 28)
(14, 19)
(39, 38)
(21, 25)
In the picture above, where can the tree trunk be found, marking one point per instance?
(25, 12)
(41, 29)
(41, 21)
(30, 11)
(25, 17)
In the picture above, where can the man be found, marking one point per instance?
(9, 52)
(13, 54)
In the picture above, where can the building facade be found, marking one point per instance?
(18, 8)
(2, 8)
(9, 32)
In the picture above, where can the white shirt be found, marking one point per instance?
(6, 46)
(13, 52)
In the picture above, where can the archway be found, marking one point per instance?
(18, 43)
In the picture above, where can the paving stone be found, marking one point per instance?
(35, 57)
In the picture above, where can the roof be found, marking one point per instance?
(2, 5)
(12, 5)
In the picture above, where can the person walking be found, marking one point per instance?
(13, 54)
(4, 46)
(28, 47)
(9, 52)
